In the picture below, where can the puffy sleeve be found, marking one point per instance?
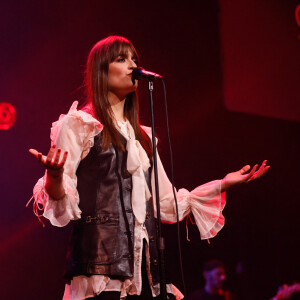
(206, 202)
(74, 133)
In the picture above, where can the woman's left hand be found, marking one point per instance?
(241, 176)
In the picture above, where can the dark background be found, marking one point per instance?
(232, 75)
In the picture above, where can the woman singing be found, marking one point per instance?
(99, 175)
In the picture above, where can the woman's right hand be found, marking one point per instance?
(51, 161)
(55, 169)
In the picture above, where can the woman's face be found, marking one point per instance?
(119, 75)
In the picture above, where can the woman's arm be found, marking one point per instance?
(206, 201)
(56, 192)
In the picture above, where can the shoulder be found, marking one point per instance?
(148, 130)
(77, 121)
(78, 116)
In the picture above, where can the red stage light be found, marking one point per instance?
(8, 115)
(297, 16)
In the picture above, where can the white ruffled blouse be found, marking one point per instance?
(75, 133)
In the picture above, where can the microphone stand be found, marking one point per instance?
(160, 240)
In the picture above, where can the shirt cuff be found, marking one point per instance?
(207, 203)
(58, 212)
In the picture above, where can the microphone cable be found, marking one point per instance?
(173, 188)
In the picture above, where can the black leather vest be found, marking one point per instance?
(102, 240)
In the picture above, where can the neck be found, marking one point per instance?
(117, 106)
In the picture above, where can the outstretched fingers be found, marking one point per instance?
(57, 157)
(261, 171)
(52, 160)
(61, 164)
(50, 154)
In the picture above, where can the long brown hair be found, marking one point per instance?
(96, 82)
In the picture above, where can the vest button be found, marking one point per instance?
(100, 269)
(147, 215)
(155, 262)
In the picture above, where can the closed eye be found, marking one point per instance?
(120, 59)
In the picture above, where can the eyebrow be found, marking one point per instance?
(126, 53)
(133, 56)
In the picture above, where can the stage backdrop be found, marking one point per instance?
(260, 55)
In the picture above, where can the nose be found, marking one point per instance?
(132, 64)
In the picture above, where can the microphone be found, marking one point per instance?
(139, 73)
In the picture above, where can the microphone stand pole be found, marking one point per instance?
(160, 240)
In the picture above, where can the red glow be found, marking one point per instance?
(7, 244)
(261, 58)
(297, 16)
(7, 115)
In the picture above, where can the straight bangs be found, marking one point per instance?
(121, 47)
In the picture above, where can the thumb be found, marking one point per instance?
(33, 152)
(244, 169)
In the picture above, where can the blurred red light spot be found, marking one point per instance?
(297, 16)
(7, 115)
